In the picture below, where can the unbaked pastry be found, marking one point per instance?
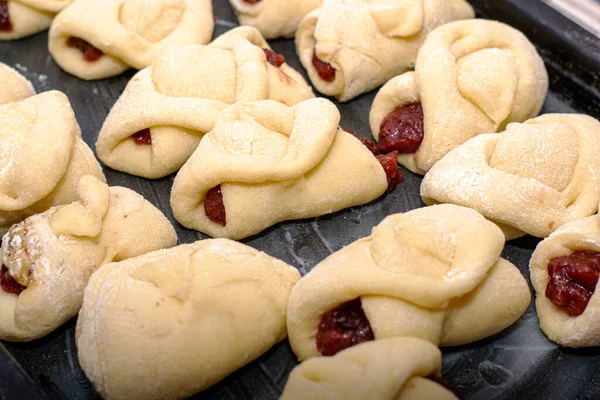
(22, 18)
(50, 257)
(532, 178)
(165, 110)
(273, 18)
(94, 39)
(272, 163)
(42, 157)
(171, 323)
(13, 87)
(471, 77)
(433, 273)
(398, 368)
(350, 47)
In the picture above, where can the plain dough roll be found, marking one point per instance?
(530, 179)
(172, 323)
(54, 254)
(13, 85)
(386, 369)
(129, 32)
(28, 17)
(369, 42)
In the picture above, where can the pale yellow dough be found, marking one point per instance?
(13, 85)
(42, 157)
(181, 95)
(274, 18)
(174, 322)
(471, 77)
(530, 179)
(29, 17)
(387, 369)
(275, 163)
(433, 273)
(54, 254)
(129, 32)
(583, 330)
(369, 41)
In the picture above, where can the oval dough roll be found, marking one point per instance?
(129, 33)
(42, 157)
(28, 17)
(54, 254)
(432, 273)
(369, 41)
(181, 95)
(512, 179)
(387, 369)
(172, 323)
(14, 86)
(471, 77)
(275, 163)
(274, 18)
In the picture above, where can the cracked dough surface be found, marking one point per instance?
(29, 17)
(15, 87)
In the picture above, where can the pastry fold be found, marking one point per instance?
(14, 85)
(275, 163)
(387, 369)
(28, 17)
(433, 273)
(129, 33)
(171, 323)
(368, 42)
(181, 95)
(42, 156)
(274, 18)
(530, 179)
(54, 254)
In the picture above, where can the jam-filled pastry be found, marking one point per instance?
(400, 368)
(530, 179)
(264, 163)
(48, 259)
(350, 47)
(564, 273)
(174, 322)
(471, 77)
(98, 39)
(22, 18)
(433, 273)
(165, 110)
(14, 86)
(273, 18)
(42, 157)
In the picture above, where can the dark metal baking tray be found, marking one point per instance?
(517, 363)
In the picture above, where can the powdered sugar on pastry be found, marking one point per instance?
(28, 17)
(14, 86)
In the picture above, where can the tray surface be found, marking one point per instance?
(520, 362)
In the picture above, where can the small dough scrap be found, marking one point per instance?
(29, 17)
(13, 85)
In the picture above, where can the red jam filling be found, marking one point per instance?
(325, 70)
(252, 1)
(143, 137)
(8, 283)
(389, 162)
(369, 144)
(273, 58)
(90, 53)
(214, 206)
(445, 384)
(402, 129)
(343, 327)
(573, 281)
(5, 24)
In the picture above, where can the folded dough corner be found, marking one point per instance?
(362, 43)
(274, 163)
(24, 18)
(179, 98)
(99, 39)
(171, 323)
(14, 85)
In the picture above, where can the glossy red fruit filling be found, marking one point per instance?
(5, 24)
(389, 162)
(573, 281)
(214, 206)
(252, 1)
(402, 130)
(343, 327)
(325, 70)
(369, 144)
(90, 53)
(8, 283)
(143, 137)
(445, 384)
(273, 58)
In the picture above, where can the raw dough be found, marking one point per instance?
(54, 254)
(275, 163)
(172, 323)
(29, 17)
(13, 86)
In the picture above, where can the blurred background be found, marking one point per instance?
(584, 12)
